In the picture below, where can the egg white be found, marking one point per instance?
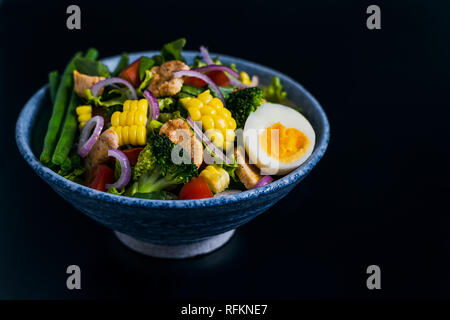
(266, 116)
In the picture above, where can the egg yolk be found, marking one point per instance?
(284, 144)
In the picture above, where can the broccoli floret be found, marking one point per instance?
(146, 160)
(164, 116)
(243, 102)
(167, 104)
(155, 169)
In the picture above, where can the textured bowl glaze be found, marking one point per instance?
(163, 222)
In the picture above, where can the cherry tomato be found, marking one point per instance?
(219, 78)
(103, 176)
(132, 155)
(196, 82)
(131, 73)
(197, 188)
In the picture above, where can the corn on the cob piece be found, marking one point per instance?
(130, 124)
(84, 114)
(216, 177)
(134, 135)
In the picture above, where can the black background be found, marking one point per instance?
(377, 197)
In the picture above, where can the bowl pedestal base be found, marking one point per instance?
(178, 251)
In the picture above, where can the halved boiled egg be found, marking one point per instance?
(278, 139)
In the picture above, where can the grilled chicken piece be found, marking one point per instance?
(99, 152)
(179, 132)
(163, 83)
(247, 173)
(83, 82)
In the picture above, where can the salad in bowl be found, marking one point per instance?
(163, 129)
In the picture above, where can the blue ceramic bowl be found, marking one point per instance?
(189, 224)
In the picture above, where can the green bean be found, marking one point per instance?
(59, 107)
(69, 129)
(92, 53)
(68, 132)
(66, 166)
(53, 81)
(124, 60)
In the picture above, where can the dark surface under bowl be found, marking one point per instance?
(172, 222)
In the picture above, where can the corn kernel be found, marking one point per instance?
(216, 103)
(142, 106)
(207, 122)
(84, 117)
(231, 124)
(125, 134)
(123, 118)
(208, 111)
(126, 105)
(118, 130)
(195, 113)
(133, 105)
(229, 135)
(220, 123)
(140, 118)
(215, 136)
(184, 101)
(245, 78)
(132, 135)
(225, 113)
(194, 102)
(115, 119)
(141, 135)
(130, 117)
(83, 110)
(205, 97)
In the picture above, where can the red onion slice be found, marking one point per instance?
(204, 77)
(208, 142)
(217, 67)
(95, 89)
(153, 104)
(87, 139)
(205, 55)
(233, 81)
(125, 169)
(263, 181)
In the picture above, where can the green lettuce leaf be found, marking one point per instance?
(115, 191)
(145, 64)
(115, 97)
(144, 84)
(172, 50)
(191, 90)
(155, 125)
(74, 175)
(123, 63)
(274, 93)
(91, 67)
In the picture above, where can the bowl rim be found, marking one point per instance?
(25, 124)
